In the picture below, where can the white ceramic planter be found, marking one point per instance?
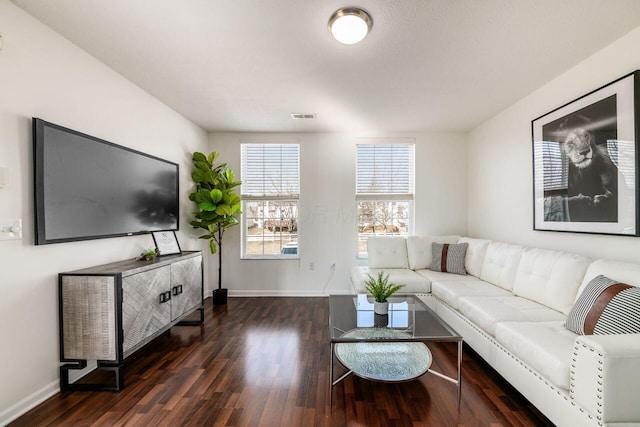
(381, 307)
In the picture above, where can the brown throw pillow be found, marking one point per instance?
(606, 307)
(449, 258)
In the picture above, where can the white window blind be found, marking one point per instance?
(385, 170)
(270, 170)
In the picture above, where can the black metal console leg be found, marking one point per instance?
(197, 322)
(117, 385)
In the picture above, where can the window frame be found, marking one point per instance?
(408, 197)
(283, 198)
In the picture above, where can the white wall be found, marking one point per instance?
(500, 160)
(43, 75)
(327, 223)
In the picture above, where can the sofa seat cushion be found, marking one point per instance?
(438, 276)
(546, 347)
(487, 312)
(450, 291)
(412, 281)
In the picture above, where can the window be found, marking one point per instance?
(384, 190)
(270, 193)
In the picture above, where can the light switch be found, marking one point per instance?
(4, 177)
(10, 229)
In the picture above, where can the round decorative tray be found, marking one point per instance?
(384, 361)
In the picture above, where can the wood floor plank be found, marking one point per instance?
(265, 362)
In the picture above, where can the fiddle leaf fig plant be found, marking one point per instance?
(218, 204)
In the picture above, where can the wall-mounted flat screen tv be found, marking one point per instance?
(87, 188)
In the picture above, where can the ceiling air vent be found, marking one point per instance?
(296, 116)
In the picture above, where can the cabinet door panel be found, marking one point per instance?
(188, 274)
(142, 313)
(88, 317)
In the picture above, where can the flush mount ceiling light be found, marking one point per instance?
(350, 25)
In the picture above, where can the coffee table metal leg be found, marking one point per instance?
(459, 372)
(333, 383)
(457, 381)
(331, 379)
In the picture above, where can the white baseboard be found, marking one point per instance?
(285, 293)
(29, 403)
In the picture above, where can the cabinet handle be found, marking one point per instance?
(177, 290)
(165, 296)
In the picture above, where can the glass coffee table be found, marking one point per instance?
(386, 348)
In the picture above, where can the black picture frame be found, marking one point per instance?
(585, 162)
(166, 242)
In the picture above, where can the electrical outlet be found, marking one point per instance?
(312, 265)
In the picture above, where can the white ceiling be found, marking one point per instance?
(427, 65)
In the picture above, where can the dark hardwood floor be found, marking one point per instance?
(265, 362)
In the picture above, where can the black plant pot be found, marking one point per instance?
(380, 320)
(220, 296)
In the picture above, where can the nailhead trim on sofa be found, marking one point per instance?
(599, 403)
(534, 373)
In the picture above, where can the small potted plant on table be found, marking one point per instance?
(380, 289)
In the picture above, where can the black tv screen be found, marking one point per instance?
(88, 188)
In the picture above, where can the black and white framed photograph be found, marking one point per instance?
(166, 242)
(585, 156)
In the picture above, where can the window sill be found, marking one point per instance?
(270, 257)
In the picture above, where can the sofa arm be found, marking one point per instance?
(605, 377)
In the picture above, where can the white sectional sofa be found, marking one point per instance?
(511, 308)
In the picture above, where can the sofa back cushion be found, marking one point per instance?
(500, 264)
(623, 272)
(551, 278)
(476, 250)
(387, 252)
(419, 249)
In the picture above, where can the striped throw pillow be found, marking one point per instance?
(606, 307)
(449, 258)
